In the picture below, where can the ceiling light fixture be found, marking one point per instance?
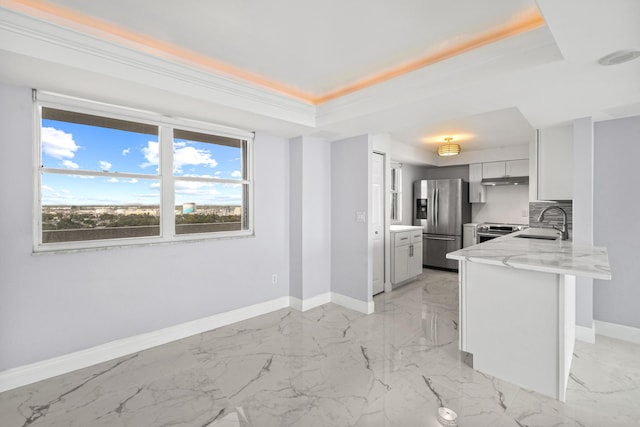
(619, 57)
(449, 149)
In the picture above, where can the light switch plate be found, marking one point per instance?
(361, 216)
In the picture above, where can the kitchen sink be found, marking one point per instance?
(537, 236)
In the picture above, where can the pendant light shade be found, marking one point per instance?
(449, 149)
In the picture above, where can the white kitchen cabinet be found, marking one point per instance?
(406, 256)
(517, 167)
(493, 170)
(505, 169)
(555, 163)
(469, 234)
(477, 191)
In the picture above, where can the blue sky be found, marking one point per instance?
(83, 147)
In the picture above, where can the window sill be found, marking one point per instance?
(93, 246)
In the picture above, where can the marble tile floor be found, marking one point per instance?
(330, 367)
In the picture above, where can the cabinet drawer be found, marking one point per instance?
(402, 239)
(416, 236)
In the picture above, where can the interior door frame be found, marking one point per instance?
(385, 225)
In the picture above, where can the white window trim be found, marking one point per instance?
(397, 191)
(167, 180)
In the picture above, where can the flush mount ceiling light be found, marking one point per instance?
(619, 57)
(449, 149)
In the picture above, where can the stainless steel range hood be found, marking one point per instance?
(507, 180)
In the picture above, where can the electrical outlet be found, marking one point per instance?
(274, 279)
(525, 212)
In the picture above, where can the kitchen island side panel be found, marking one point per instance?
(511, 323)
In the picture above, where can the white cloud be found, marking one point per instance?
(126, 151)
(70, 165)
(151, 154)
(198, 188)
(47, 188)
(236, 174)
(113, 180)
(58, 144)
(133, 181)
(155, 185)
(104, 165)
(188, 155)
(218, 173)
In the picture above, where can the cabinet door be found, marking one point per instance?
(517, 167)
(401, 264)
(415, 260)
(493, 170)
(477, 191)
(468, 235)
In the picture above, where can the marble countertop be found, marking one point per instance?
(550, 256)
(399, 228)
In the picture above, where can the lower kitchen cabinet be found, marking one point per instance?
(406, 256)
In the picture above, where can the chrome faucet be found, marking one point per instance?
(565, 233)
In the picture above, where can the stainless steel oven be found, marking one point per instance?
(488, 231)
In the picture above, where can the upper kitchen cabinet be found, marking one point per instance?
(498, 171)
(555, 163)
(477, 191)
(517, 167)
(505, 169)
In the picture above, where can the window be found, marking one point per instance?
(396, 192)
(110, 176)
(210, 196)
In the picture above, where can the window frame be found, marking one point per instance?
(395, 193)
(165, 175)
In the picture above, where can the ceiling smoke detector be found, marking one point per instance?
(619, 57)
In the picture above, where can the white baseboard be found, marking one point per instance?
(621, 332)
(586, 334)
(339, 299)
(352, 303)
(309, 303)
(28, 374)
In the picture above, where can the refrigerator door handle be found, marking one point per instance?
(433, 209)
(451, 239)
(437, 201)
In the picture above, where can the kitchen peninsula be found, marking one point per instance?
(517, 305)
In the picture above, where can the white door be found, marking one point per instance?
(378, 223)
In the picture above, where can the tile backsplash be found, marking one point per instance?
(552, 217)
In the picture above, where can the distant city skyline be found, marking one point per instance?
(83, 147)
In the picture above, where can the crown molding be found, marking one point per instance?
(33, 37)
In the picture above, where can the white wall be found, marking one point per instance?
(615, 219)
(582, 209)
(296, 282)
(59, 303)
(310, 201)
(351, 271)
(505, 203)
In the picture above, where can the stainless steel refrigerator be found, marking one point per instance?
(441, 206)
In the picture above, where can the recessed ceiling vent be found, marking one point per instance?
(619, 57)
